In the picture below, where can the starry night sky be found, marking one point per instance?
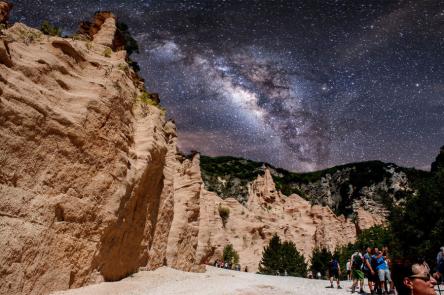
(303, 85)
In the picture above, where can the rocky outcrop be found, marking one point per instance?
(83, 196)
(249, 228)
(103, 30)
(372, 184)
(5, 8)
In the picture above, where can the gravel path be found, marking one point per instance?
(214, 281)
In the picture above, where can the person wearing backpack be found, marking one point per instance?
(357, 261)
(334, 271)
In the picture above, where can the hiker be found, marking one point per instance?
(369, 273)
(357, 261)
(348, 269)
(334, 270)
(412, 278)
(382, 271)
(388, 262)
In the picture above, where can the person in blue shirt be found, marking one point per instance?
(382, 270)
(334, 271)
(368, 270)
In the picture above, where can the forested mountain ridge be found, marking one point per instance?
(371, 183)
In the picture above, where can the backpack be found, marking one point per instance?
(357, 261)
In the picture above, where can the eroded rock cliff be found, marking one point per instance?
(84, 192)
(249, 228)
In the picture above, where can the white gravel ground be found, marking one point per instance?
(215, 281)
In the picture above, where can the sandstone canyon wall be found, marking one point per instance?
(82, 179)
(92, 186)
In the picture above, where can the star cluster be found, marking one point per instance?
(301, 84)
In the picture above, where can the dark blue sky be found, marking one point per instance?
(301, 84)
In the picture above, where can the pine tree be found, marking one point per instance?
(319, 260)
(292, 262)
(282, 258)
(230, 255)
(270, 261)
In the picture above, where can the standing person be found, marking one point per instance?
(357, 274)
(334, 270)
(412, 278)
(388, 262)
(368, 269)
(382, 271)
(348, 269)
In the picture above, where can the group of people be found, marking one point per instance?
(228, 265)
(410, 276)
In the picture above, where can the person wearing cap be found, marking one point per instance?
(411, 277)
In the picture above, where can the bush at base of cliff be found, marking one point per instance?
(230, 255)
(319, 261)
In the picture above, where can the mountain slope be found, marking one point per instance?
(372, 183)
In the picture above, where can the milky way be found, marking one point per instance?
(300, 84)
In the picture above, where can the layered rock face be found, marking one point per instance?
(370, 185)
(249, 228)
(84, 191)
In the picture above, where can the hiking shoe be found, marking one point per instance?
(329, 286)
(361, 291)
(339, 287)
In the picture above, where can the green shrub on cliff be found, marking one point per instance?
(224, 213)
(49, 29)
(230, 255)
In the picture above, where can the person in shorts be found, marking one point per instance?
(334, 270)
(357, 261)
(367, 268)
(382, 270)
(348, 269)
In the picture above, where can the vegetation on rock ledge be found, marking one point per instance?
(224, 213)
